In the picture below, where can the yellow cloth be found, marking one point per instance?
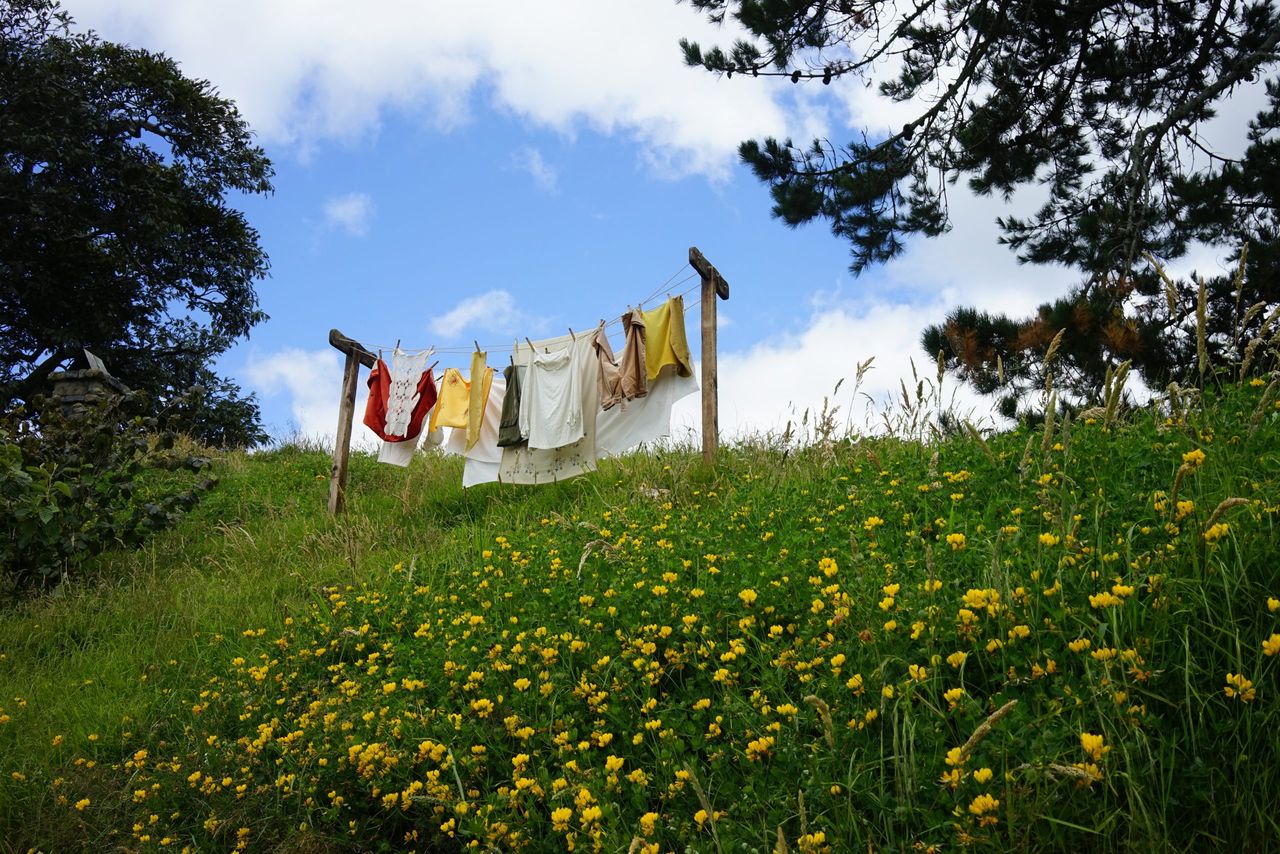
(665, 342)
(477, 395)
(454, 401)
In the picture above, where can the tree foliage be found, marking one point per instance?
(115, 231)
(1101, 105)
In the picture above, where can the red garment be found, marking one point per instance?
(375, 412)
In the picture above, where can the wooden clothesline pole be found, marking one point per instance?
(713, 285)
(356, 356)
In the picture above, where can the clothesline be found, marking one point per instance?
(616, 428)
(666, 288)
(549, 419)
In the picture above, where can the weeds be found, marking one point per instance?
(1055, 639)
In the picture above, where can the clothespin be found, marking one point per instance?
(477, 343)
(397, 343)
(432, 366)
(532, 349)
(571, 335)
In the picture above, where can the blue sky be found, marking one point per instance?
(452, 172)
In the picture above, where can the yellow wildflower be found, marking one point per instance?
(1216, 531)
(1240, 687)
(1271, 645)
(983, 804)
(1094, 745)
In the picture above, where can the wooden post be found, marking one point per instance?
(713, 285)
(356, 356)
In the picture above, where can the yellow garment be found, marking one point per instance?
(454, 401)
(665, 342)
(477, 395)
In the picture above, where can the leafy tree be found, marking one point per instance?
(115, 231)
(1100, 103)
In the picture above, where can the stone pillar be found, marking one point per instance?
(76, 391)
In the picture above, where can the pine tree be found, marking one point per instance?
(1101, 103)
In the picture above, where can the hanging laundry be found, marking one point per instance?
(538, 465)
(551, 401)
(632, 364)
(483, 457)
(621, 379)
(608, 375)
(665, 341)
(478, 394)
(399, 399)
(648, 418)
(455, 400)
(509, 427)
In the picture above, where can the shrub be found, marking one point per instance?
(71, 487)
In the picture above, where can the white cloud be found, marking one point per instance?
(304, 71)
(777, 380)
(530, 160)
(351, 212)
(313, 381)
(493, 312)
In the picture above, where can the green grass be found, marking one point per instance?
(241, 646)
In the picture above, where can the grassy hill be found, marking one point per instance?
(1051, 640)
